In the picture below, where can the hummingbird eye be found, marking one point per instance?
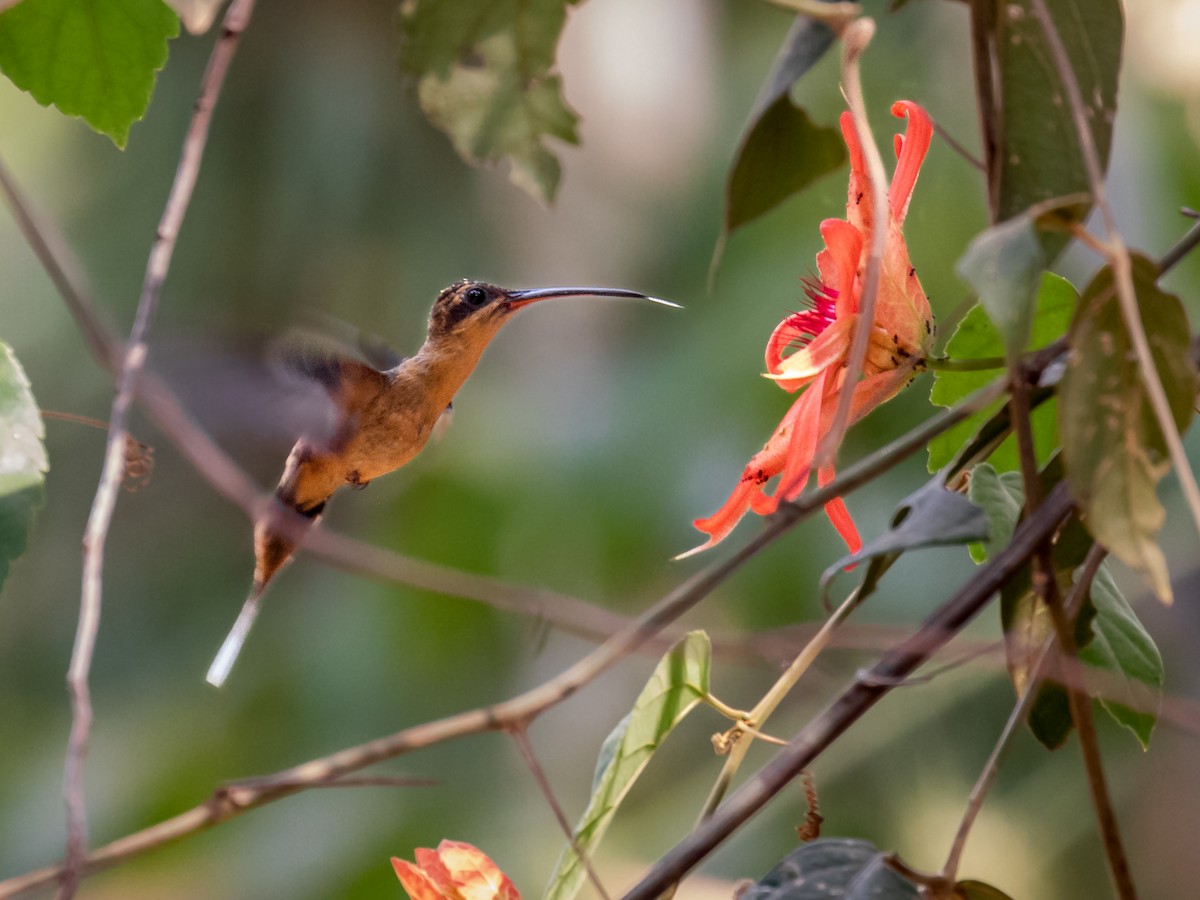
(475, 296)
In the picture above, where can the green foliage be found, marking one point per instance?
(1108, 631)
(976, 338)
(1003, 265)
(1122, 648)
(1027, 115)
(930, 517)
(1113, 449)
(679, 682)
(832, 867)
(484, 77)
(91, 58)
(782, 151)
(1001, 497)
(781, 154)
(23, 462)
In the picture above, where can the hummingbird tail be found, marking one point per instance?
(228, 654)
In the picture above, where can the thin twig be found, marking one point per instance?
(739, 737)
(854, 702)
(855, 39)
(113, 469)
(991, 768)
(519, 735)
(523, 708)
(959, 148)
(1118, 260)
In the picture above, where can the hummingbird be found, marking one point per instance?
(383, 418)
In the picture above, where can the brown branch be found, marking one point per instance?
(113, 471)
(854, 702)
(521, 737)
(1118, 259)
(991, 768)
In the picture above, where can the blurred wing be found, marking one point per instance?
(445, 420)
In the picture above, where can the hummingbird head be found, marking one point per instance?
(476, 307)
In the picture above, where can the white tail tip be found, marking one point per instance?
(228, 654)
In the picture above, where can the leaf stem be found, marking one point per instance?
(946, 364)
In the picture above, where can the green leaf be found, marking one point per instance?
(484, 77)
(977, 338)
(781, 154)
(1003, 264)
(23, 462)
(1001, 496)
(1035, 153)
(782, 151)
(679, 682)
(1122, 648)
(929, 517)
(832, 867)
(91, 58)
(1113, 449)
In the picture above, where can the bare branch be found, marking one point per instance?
(1118, 259)
(113, 470)
(852, 703)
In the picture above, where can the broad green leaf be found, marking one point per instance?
(1034, 147)
(1001, 496)
(977, 338)
(978, 890)
(679, 682)
(1122, 648)
(782, 151)
(1003, 264)
(1113, 449)
(484, 77)
(929, 517)
(781, 154)
(23, 462)
(832, 867)
(91, 58)
(1027, 623)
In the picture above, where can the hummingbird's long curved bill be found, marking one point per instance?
(517, 299)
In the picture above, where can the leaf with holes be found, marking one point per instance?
(91, 58)
(23, 462)
(976, 338)
(832, 867)
(1028, 124)
(679, 682)
(484, 71)
(1113, 449)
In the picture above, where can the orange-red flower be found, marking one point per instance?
(819, 337)
(455, 871)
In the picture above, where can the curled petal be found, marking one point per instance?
(799, 328)
(838, 262)
(826, 351)
(910, 151)
(719, 524)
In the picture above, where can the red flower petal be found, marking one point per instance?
(910, 153)
(414, 880)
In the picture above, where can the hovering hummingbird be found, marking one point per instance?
(383, 419)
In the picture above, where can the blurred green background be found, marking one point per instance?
(590, 436)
